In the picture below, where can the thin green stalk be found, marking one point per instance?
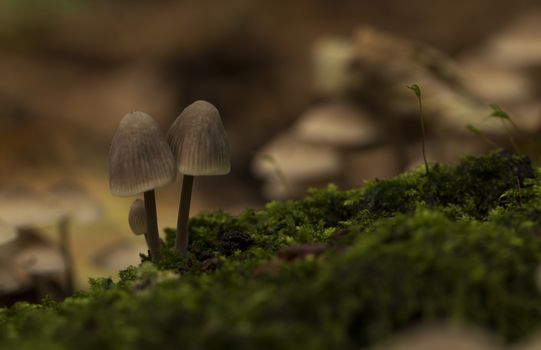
(511, 138)
(415, 88)
(485, 138)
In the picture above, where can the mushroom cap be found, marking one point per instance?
(139, 159)
(137, 217)
(199, 141)
(494, 83)
(74, 202)
(297, 160)
(21, 206)
(518, 44)
(338, 125)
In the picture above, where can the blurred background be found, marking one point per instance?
(310, 91)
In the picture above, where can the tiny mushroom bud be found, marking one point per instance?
(200, 145)
(137, 217)
(139, 162)
(138, 220)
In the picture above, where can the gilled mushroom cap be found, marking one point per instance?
(139, 159)
(199, 142)
(137, 217)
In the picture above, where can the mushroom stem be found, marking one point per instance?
(181, 243)
(152, 226)
(63, 230)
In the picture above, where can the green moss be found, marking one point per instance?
(461, 245)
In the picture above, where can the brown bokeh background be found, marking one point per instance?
(69, 71)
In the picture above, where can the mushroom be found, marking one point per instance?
(43, 264)
(517, 45)
(137, 218)
(339, 125)
(140, 161)
(22, 207)
(41, 260)
(74, 204)
(289, 165)
(200, 145)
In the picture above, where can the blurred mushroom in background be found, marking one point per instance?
(300, 164)
(31, 268)
(75, 205)
(23, 207)
(46, 268)
(369, 121)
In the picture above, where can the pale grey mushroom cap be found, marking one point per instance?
(337, 124)
(199, 141)
(299, 161)
(74, 202)
(137, 217)
(140, 158)
(21, 206)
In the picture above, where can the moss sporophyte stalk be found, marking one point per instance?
(342, 269)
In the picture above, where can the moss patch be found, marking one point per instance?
(461, 245)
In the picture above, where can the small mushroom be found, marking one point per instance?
(299, 161)
(338, 124)
(137, 218)
(23, 207)
(200, 145)
(74, 205)
(74, 202)
(139, 162)
(289, 165)
(43, 265)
